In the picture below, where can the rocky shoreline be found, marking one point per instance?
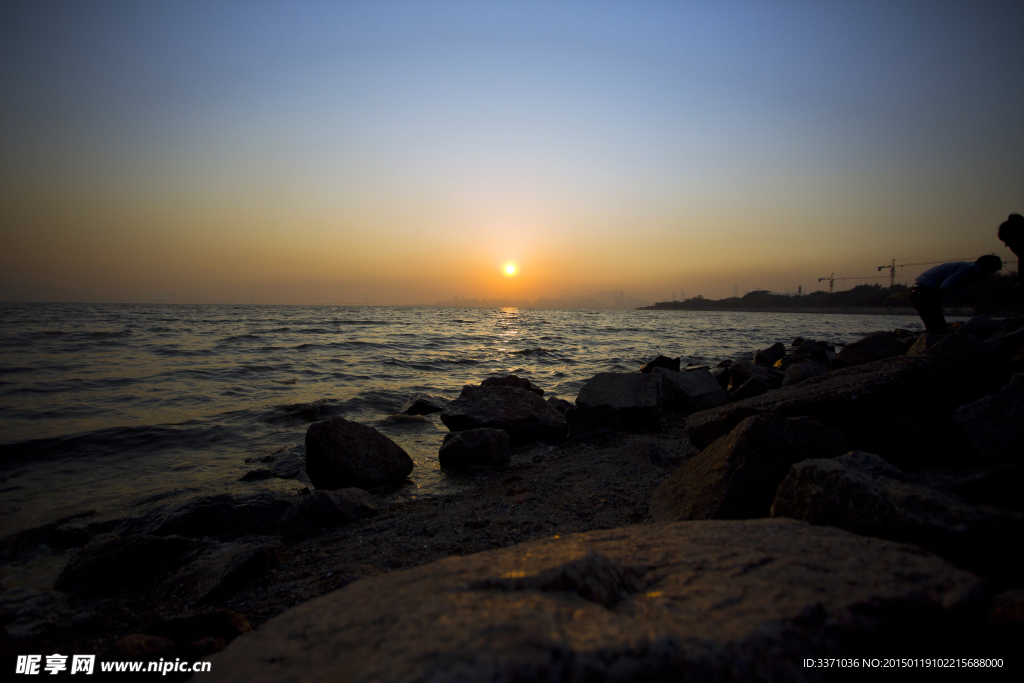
(725, 522)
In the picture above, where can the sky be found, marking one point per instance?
(408, 152)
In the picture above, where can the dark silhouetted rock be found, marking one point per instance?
(589, 422)
(809, 349)
(341, 454)
(644, 451)
(327, 510)
(749, 389)
(899, 408)
(475, 448)
(661, 362)
(797, 342)
(924, 342)
(220, 623)
(692, 601)
(875, 346)
(722, 376)
(994, 424)
(219, 575)
(862, 493)
(990, 485)
(805, 369)
(560, 404)
(423, 404)
(690, 391)
(742, 370)
(109, 563)
(635, 397)
(512, 381)
(769, 356)
(736, 476)
(523, 415)
(258, 475)
(255, 512)
(983, 327)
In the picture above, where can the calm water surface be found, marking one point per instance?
(106, 407)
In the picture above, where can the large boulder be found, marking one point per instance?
(711, 600)
(899, 408)
(862, 493)
(109, 562)
(512, 381)
(524, 415)
(634, 397)
(750, 388)
(742, 370)
(341, 454)
(805, 369)
(768, 357)
(808, 349)
(690, 391)
(475, 448)
(875, 346)
(736, 476)
(327, 510)
(994, 424)
(661, 362)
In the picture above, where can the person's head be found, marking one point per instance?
(1011, 232)
(989, 264)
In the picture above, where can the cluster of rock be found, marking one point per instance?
(910, 439)
(796, 532)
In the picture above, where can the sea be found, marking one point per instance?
(108, 408)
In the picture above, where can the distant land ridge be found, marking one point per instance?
(991, 295)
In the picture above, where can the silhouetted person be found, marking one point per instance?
(1011, 232)
(949, 278)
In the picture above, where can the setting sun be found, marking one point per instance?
(510, 269)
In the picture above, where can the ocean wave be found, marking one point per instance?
(239, 337)
(310, 411)
(109, 333)
(122, 442)
(531, 352)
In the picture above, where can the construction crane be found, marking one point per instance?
(832, 279)
(892, 267)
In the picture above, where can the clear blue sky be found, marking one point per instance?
(320, 151)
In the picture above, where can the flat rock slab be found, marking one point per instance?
(709, 600)
(863, 494)
(523, 414)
